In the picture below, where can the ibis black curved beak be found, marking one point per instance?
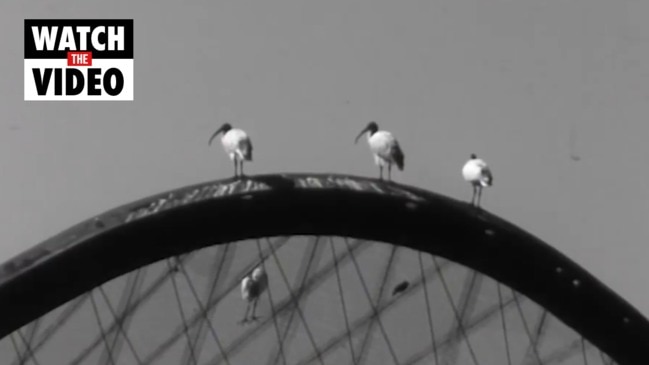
(361, 134)
(216, 134)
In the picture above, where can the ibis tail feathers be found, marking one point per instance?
(487, 178)
(398, 156)
(248, 154)
(244, 151)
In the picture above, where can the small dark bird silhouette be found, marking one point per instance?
(400, 288)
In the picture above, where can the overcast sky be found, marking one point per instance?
(508, 80)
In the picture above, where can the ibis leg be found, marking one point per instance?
(245, 315)
(254, 309)
(381, 172)
(474, 194)
(390, 172)
(235, 167)
(241, 167)
(479, 195)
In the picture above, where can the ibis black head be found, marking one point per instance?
(222, 129)
(371, 127)
(473, 156)
(225, 127)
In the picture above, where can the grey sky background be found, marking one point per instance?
(505, 79)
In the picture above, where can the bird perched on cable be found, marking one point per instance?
(384, 147)
(478, 174)
(400, 288)
(252, 285)
(236, 144)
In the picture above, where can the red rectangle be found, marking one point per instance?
(79, 58)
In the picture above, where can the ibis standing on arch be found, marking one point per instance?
(236, 144)
(384, 147)
(478, 174)
(252, 285)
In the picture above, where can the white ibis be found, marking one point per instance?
(478, 174)
(252, 286)
(236, 144)
(384, 147)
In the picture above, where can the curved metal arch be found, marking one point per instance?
(178, 221)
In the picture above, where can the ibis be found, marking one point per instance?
(236, 144)
(252, 285)
(384, 147)
(477, 173)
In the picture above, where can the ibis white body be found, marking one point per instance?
(253, 285)
(385, 149)
(477, 173)
(246, 288)
(237, 145)
(251, 288)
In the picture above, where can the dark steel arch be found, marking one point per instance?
(171, 223)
